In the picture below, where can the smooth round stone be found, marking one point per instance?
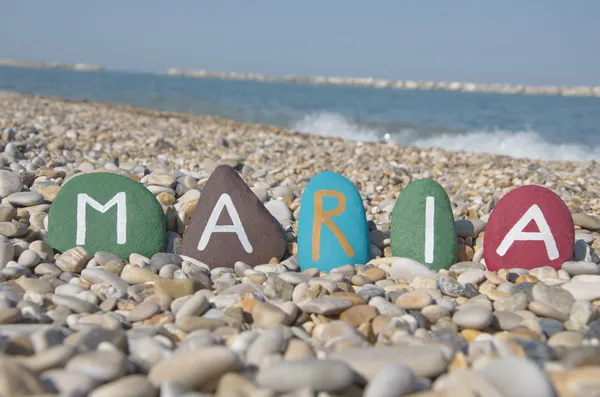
(25, 199)
(129, 386)
(10, 183)
(318, 375)
(28, 258)
(450, 286)
(517, 377)
(433, 242)
(68, 383)
(266, 315)
(99, 365)
(196, 305)
(414, 300)
(140, 227)
(43, 249)
(326, 305)
(475, 317)
(391, 381)
(143, 311)
(507, 320)
(582, 290)
(75, 304)
(279, 210)
(329, 193)
(13, 229)
(588, 238)
(195, 369)
(586, 221)
(408, 269)
(474, 276)
(578, 268)
(7, 251)
(529, 209)
(565, 338)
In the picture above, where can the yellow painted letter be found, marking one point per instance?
(324, 217)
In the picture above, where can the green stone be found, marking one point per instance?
(106, 212)
(423, 225)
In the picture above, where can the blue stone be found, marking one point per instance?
(332, 227)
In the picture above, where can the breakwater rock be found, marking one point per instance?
(50, 65)
(579, 91)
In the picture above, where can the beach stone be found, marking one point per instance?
(100, 365)
(13, 229)
(101, 276)
(135, 275)
(583, 290)
(422, 360)
(578, 382)
(28, 258)
(25, 199)
(588, 222)
(196, 305)
(129, 386)
(106, 212)
(554, 297)
(318, 375)
(10, 183)
(507, 320)
(469, 227)
(474, 317)
(143, 311)
(326, 305)
(514, 376)
(196, 369)
(391, 381)
(414, 300)
(359, 314)
(530, 227)
(75, 304)
(279, 210)
(7, 251)
(18, 380)
(332, 228)
(230, 215)
(408, 269)
(175, 288)
(577, 268)
(423, 225)
(450, 286)
(73, 260)
(67, 383)
(266, 315)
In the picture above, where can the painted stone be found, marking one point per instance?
(106, 212)
(423, 227)
(529, 227)
(231, 224)
(332, 228)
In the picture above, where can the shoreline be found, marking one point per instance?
(51, 65)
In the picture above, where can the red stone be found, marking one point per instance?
(539, 203)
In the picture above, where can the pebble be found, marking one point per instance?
(195, 369)
(517, 377)
(25, 199)
(408, 269)
(391, 381)
(102, 366)
(129, 386)
(326, 305)
(73, 260)
(10, 183)
(475, 317)
(318, 375)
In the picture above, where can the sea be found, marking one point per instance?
(520, 126)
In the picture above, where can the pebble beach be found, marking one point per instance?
(75, 324)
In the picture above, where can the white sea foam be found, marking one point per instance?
(518, 144)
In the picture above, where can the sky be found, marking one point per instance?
(484, 41)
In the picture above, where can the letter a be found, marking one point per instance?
(517, 234)
(119, 200)
(324, 217)
(212, 227)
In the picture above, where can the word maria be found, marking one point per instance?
(529, 227)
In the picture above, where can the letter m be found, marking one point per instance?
(119, 200)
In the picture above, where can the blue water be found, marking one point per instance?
(544, 127)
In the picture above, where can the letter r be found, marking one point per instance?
(324, 217)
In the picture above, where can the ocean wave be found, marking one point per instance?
(518, 144)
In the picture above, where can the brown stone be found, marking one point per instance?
(225, 194)
(379, 323)
(175, 288)
(356, 299)
(375, 274)
(578, 382)
(358, 314)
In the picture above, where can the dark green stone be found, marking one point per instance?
(409, 219)
(142, 228)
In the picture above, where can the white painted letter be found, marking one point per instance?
(429, 230)
(119, 200)
(517, 234)
(212, 227)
